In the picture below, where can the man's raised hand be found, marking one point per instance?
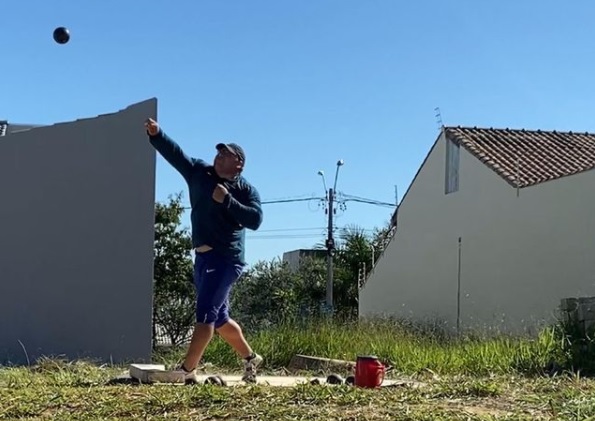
(152, 127)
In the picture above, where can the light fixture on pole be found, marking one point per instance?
(340, 163)
(321, 173)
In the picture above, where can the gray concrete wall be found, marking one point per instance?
(76, 239)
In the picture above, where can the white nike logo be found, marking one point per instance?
(210, 270)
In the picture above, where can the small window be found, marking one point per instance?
(452, 167)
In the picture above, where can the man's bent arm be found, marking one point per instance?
(173, 153)
(250, 215)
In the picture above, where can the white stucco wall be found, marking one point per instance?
(519, 255)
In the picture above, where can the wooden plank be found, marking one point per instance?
(307, 362)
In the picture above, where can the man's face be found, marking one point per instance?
(227, 163)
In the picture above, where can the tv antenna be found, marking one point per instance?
(438, 116)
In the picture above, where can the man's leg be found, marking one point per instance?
(201, 336)
(227, 328)
(231, 332)
(211, 280)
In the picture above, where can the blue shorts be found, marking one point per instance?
(213, 279)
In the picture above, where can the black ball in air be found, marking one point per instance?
(61, 35)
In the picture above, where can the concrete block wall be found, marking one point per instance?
(579, 312)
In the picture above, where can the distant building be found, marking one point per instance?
(7, 128)
(294, 258)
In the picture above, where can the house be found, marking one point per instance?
(295, 258)
(77, 236)
(496, 228)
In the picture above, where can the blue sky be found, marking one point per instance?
(301, 84)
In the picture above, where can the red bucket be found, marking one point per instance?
(369, 371)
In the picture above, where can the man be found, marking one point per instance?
(223, 205)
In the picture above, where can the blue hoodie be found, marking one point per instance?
(219, 225)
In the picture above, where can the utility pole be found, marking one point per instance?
(330, 247)
(330, 241)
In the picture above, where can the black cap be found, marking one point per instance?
(233, 148)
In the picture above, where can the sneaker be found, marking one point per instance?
(250, 365)
(190, 377)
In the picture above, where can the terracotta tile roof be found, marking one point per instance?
(529, 156)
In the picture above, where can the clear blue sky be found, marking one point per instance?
(301, 84)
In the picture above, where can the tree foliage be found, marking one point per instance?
(174, 294)
(271, 292)
(268, 293)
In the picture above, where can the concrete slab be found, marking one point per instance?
(152, 373)
(157, 374)
(287, 381)
(279, 381)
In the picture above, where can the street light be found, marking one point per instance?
(340, 163)
(321, 173)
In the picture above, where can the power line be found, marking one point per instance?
(276, 201)
(303, 196)
(269, 202)
(292, 229)
(345, 198)
(371, 202)
(352, 198)
(285, 237)
(336, 228)
(286, 233)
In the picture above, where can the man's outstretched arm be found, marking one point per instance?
(169, 149)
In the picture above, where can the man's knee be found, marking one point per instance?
(222, 317)
(212, 315)
(220, 323)
(206, 315)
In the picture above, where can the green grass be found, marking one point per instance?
(407, 350)
(459, 379)
(81, 391)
